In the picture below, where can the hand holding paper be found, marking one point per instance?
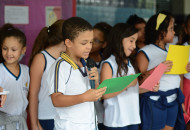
(2, 96)
(154, 78)
(188, 67)
(169, 65)
(94, 94)
(133, 83)
(117, 84)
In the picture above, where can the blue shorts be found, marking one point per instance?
(47, 124)
(130, 127)
(101, 126)
(161, 118)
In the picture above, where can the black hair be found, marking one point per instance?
(187, 38)
(103, 27)
(115, 45)
(187, 20)
(73, 26)
(151, 34)
(48, 36)
(134, 19)
(8, 30)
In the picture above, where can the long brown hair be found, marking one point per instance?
(115, 46)
(48, 36)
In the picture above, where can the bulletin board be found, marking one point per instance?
(37, 16)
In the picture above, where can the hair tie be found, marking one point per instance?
(10, 29)
(48, 29)
(160, 19)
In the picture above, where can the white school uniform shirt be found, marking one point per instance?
(188, 74)
(155, 56)
(65, 77)
(123, 109)
(46, 110)
(18, 87)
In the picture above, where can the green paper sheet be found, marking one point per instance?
(117, 84)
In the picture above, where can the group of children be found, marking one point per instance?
(57, 85)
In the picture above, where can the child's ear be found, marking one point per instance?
(23, 50)
(68, 43)
(104, 45)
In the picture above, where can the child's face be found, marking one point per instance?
(129, 44)
(12, 50)
(141, 32)
(82, 45)
(98, 41)
(170, 34)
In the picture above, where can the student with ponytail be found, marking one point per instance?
(47, 48)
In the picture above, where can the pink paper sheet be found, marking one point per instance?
(154, 78)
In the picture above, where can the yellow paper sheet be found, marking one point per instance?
(180, 56)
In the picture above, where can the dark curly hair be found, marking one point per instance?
(134, 19)
(151, 34)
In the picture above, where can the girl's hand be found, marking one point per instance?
(169, 65)
(143, 77)
(133, 83)
(94, 94)
(156, 87)
(188, 67)
(93, 75)
(2, 98)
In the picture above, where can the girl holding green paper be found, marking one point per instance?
(121, 108)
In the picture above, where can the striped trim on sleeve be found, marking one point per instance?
(56, 80)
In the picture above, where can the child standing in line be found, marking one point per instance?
(121, 108)
(159, 110)
(47, 48)
(186, 78)
(14, 78)
(139, 23)
(68, 81)
(100, 31)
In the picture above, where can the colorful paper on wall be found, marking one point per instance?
(117, 84)
(180, 56)
(53, 13)
(154, 78)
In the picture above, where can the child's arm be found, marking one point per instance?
(36, 71)
(61, 100)
(142, 63)
(181, 87)
(188, 67)
(2, 98)
(181, 82)
(106, 73)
